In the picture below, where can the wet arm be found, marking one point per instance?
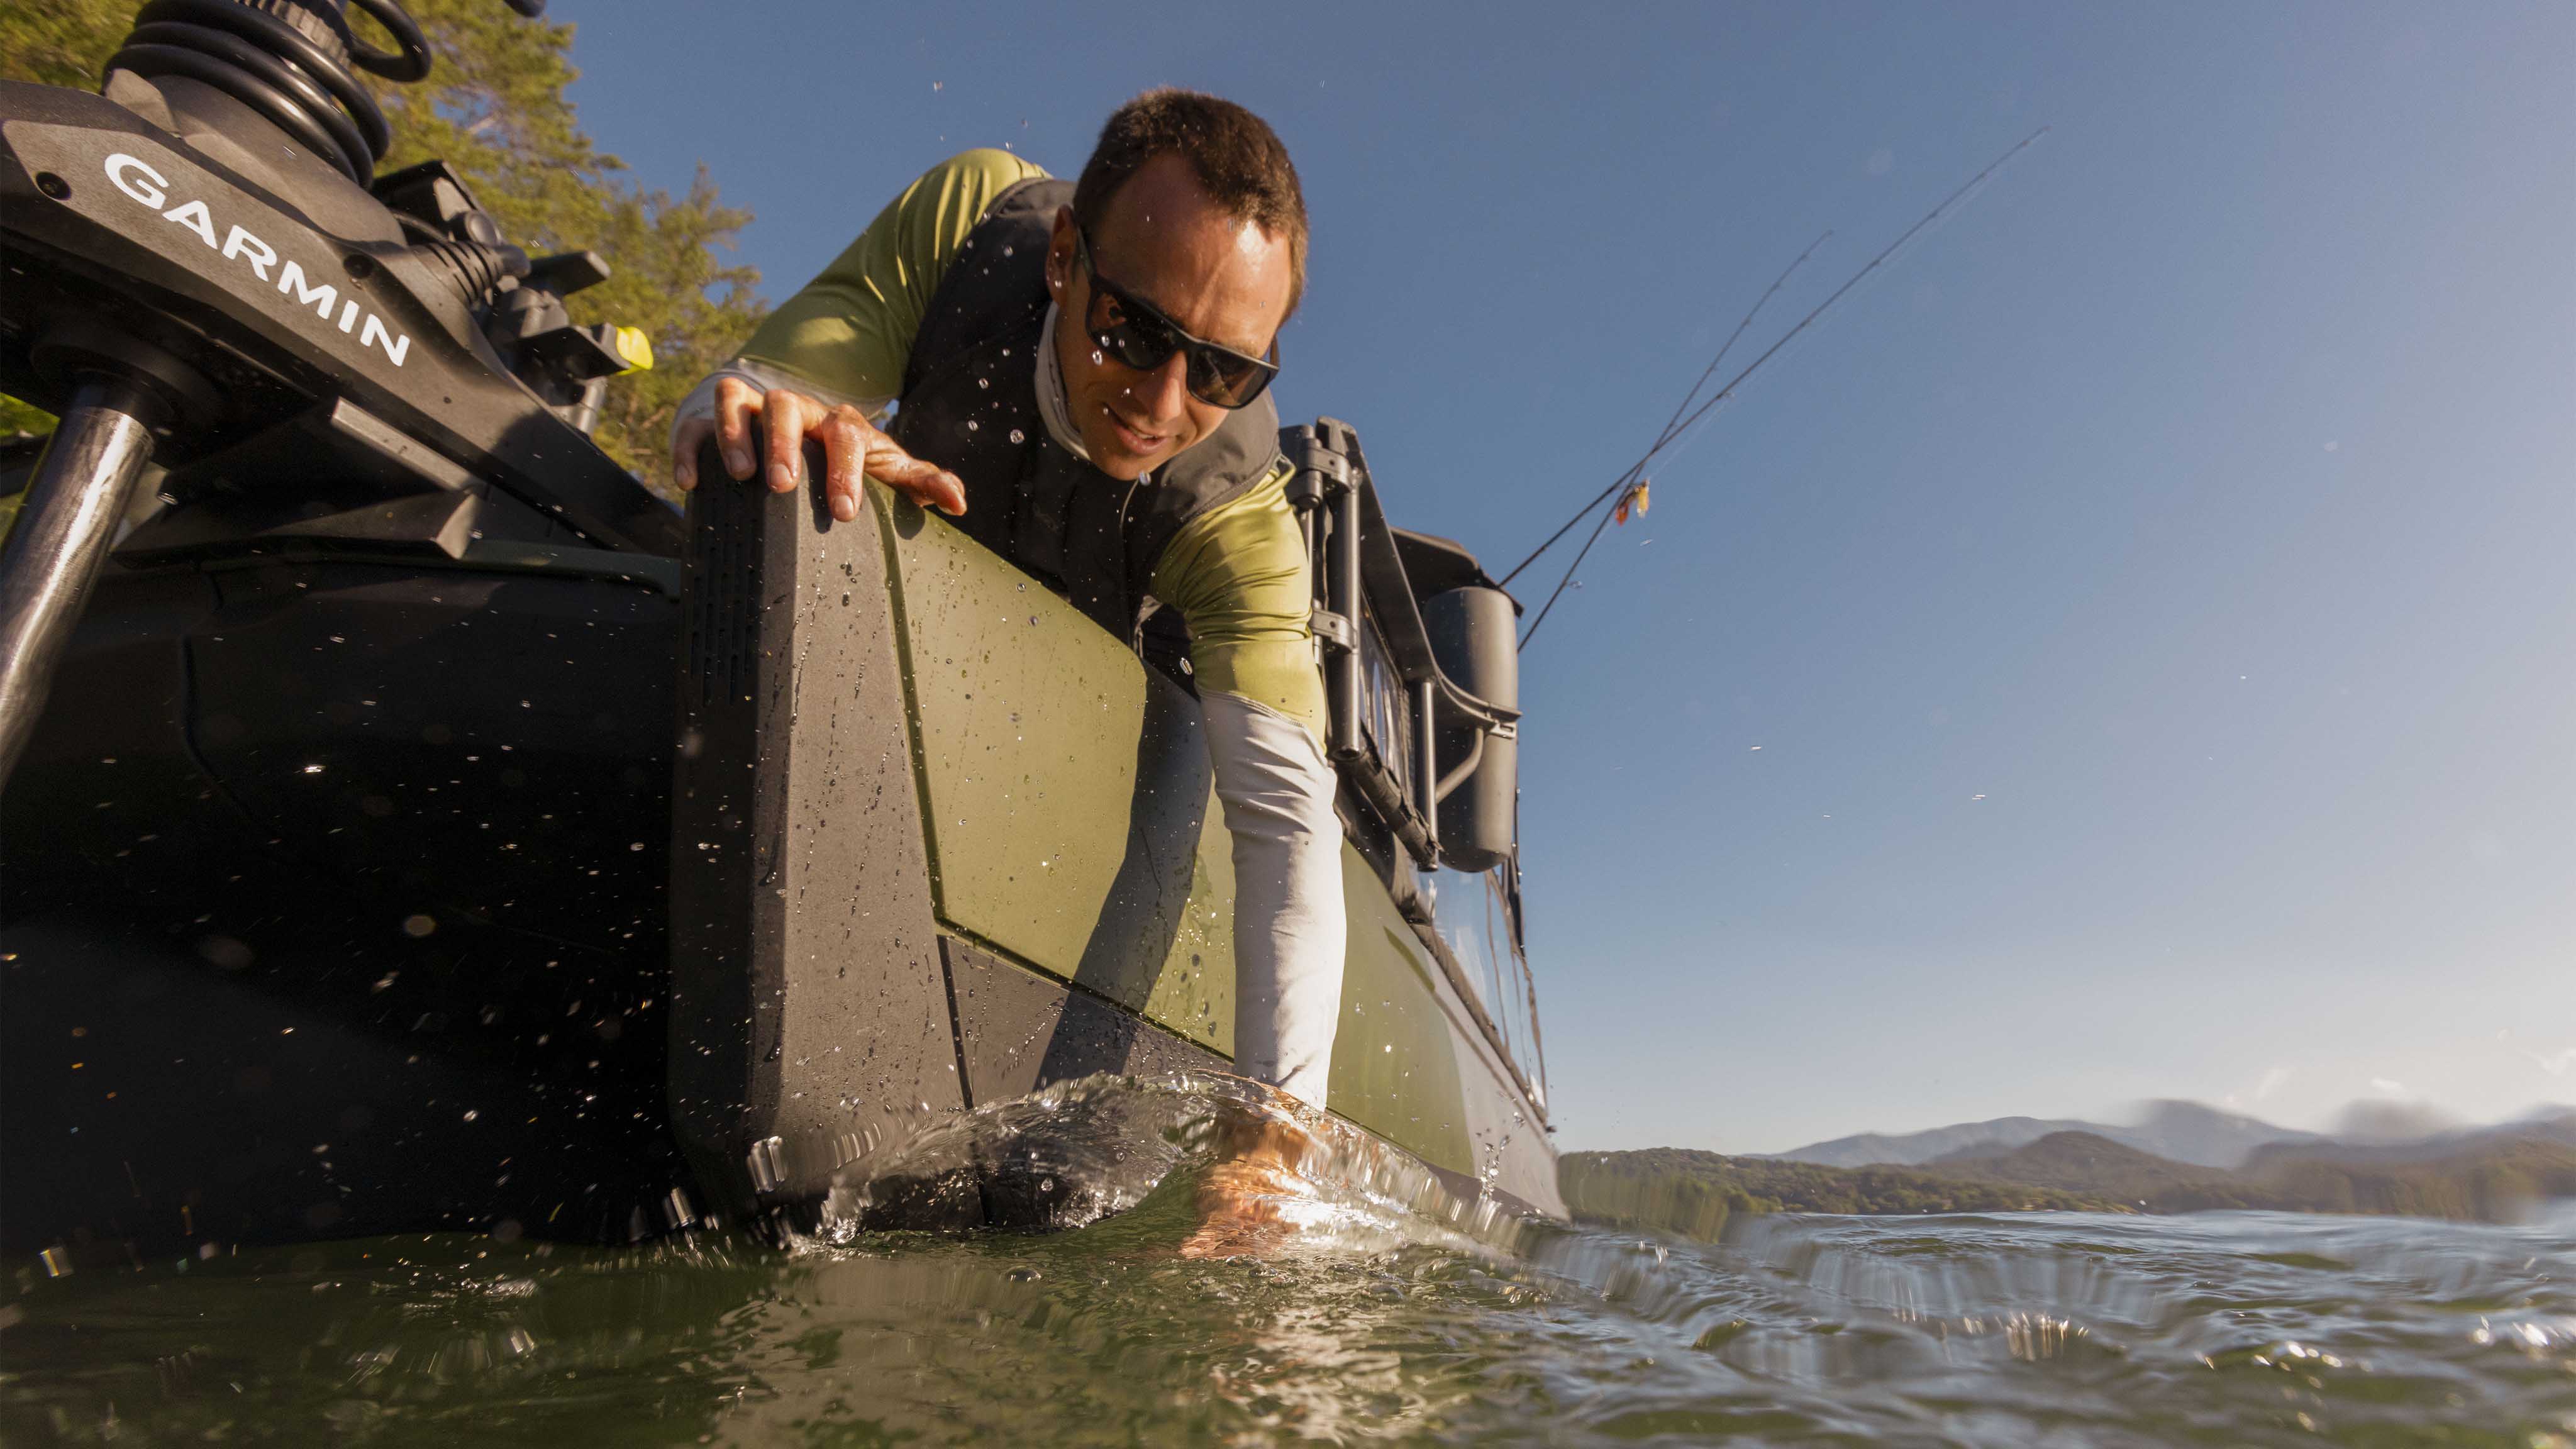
(1238, 575)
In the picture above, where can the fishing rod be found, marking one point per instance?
(1671, 423)
(1722, 394)
(1672, 427)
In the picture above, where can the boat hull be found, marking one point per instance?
(381, 901)
(324, 909)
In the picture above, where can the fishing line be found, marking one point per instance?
(1666, 435)
(1722, 394)
(1568, 578)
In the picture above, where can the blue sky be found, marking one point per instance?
(2203, 498)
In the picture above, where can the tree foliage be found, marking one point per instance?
(494, 107)
(61, 42)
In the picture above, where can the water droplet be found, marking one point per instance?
(983, 382)
(970, 425)
(1095, 355)
(1018, 437)
(1006, 251)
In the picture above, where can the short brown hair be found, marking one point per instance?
(1236, 157)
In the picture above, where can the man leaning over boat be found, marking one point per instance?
(1077, 373)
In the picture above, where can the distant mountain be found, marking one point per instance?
(1695, 1194)
(2558, 1124)
(2491, 1175)
(2185, 1132)
(2084, 1163)
(2494, 1175)
(2383, 1121)
(2202, 1136)
(1911, 1149)
(2546, 1124)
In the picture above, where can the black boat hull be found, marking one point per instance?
(334, 902)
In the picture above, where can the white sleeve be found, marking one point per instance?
(1289, 930)
(701, 401)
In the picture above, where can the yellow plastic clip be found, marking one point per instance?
(635, 349)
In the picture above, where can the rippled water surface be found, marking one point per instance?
(1384, 1319)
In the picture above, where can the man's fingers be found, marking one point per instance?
(855, 450)
(735, 403)
(845, 456)
(783, 423)
(852, 450)
(685, 442)
(946, 492)
(925, 483)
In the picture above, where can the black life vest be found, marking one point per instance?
(970, 406)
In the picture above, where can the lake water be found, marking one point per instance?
(1387, 1316)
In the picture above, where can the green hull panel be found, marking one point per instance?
(1066, 794)
(1073, 828)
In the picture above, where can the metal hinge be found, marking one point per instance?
(1334, 629)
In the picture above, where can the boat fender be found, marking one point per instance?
(1473, 635)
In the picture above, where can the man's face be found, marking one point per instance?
(1163, 242)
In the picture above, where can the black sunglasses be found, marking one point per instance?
(1139, 336)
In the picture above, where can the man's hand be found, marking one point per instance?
(852, 448)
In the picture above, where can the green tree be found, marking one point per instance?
(61, 42)
(494, 107)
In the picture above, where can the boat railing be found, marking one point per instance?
(1387, 694)
(1390, 702)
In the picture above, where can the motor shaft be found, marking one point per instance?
(74, 502)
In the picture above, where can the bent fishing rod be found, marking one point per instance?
(1690, 416)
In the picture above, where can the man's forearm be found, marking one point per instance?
(1289, 925)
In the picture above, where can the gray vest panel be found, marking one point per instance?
(970, 405)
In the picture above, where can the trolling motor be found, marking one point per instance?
(205, 276)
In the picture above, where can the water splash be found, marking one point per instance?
(1080, 1151)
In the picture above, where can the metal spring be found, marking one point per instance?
(295, 62)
